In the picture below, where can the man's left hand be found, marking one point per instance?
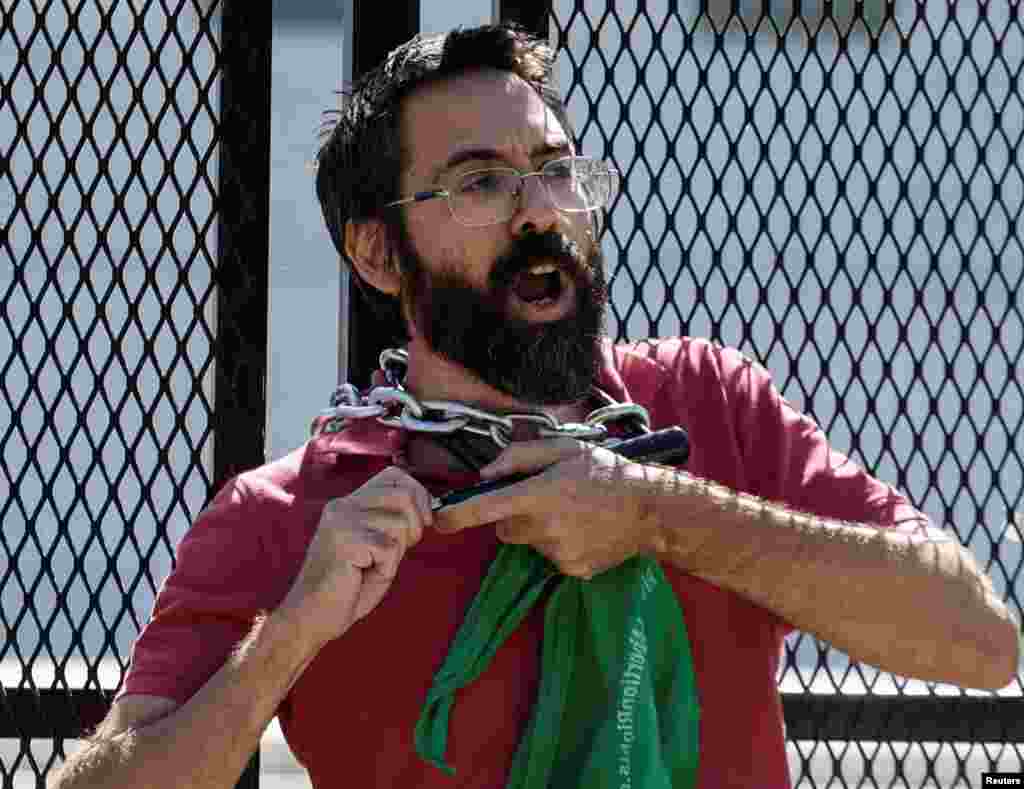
(587, 509)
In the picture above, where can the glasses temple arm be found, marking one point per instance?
(419, 197)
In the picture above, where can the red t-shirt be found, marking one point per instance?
(350, 717)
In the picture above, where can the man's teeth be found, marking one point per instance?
(543, 268)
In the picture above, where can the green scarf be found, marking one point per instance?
(617, 705)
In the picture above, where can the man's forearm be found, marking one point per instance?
(205, 743)
(915, 604)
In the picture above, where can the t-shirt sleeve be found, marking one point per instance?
(207, 604)
(788, 459)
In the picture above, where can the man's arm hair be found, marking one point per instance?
(205, 743)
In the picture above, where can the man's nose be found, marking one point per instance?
(535, 211)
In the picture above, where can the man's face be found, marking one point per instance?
(476, 295)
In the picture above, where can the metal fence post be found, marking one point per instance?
(377, 29)
(243, 259)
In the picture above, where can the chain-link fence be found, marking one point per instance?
(833, 187)
(836, 188)
(134, 141)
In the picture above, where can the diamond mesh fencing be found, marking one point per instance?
(836, 189)
(113, 330)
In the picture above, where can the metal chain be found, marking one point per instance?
(393, 406)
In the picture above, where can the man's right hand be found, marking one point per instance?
(355, 553)
(349, 566)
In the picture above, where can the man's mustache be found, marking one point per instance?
(527, 250)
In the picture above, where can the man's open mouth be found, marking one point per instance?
(539, 285)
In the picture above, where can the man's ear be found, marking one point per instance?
(367, 247)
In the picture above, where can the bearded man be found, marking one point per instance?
(326, 588)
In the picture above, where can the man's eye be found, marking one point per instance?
(482, 182)
(559, 169)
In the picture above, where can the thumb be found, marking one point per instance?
(527, 456)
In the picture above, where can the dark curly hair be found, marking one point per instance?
(361, 156)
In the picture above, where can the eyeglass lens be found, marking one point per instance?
(488, 196)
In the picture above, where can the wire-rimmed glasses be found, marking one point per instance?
(486, 197)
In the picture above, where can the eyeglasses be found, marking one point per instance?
(486, 197)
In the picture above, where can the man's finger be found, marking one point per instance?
(527, 456)
(516, 530)
(479, 510)
(394, 488)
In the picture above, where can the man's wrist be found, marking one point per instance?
(286, 624)
(692, 518)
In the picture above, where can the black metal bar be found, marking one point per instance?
(377, 28)
(32, 714)
(250, 777)
(903, 718)
(71, 714)
(243, 255)
(48, 714)
(534, 15)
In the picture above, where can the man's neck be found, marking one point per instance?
(432, 377)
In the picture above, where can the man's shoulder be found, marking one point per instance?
(675, 358)
(271, 482)
(281, 497)
(327, 458)
(278, 480)
(274, 476)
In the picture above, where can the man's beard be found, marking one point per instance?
(542, 363)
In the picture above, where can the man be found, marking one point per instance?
(322, 588)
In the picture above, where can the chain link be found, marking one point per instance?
(393, 406)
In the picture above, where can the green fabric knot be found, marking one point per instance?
(617, 704)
